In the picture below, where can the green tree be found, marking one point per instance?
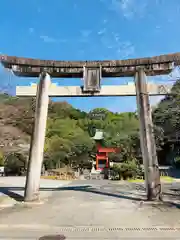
(1, 159)
(66, 141)
(167, 114)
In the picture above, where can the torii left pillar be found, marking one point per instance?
(37, 140)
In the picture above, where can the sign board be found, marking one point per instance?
(1, 169)
(97, 116)
(92, 78)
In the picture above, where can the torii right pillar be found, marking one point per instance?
(147, 139)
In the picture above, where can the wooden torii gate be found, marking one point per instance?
(92, 72)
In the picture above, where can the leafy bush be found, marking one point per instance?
(15, 164)
(125, 170)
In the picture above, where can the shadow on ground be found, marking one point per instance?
(11, 192)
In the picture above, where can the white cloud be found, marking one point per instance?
(157, 28)
(128, 8)
(122, 49)
(105, 21)
(86, 33)
(48, 39)
(110, 47)
(31, 30)
(126, 49)
(102, 31)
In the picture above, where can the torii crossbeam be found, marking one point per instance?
(27, 67)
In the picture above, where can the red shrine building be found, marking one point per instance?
(102, 159)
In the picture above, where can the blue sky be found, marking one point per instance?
(88, 30)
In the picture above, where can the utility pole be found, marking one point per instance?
(147, 139)
(38, 139)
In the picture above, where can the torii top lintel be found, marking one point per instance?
(28, 67)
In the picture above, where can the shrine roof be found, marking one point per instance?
(98, 135)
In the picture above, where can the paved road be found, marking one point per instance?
(20, 182)
(93, 210)
(12, 188)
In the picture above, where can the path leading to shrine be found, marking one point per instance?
(95, 209)
(12, 189)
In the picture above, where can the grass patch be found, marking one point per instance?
(167, 179)
(135, 180)
(163, 178)
(50, 177)
(57, 178)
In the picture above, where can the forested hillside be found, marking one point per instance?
(69, 130)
